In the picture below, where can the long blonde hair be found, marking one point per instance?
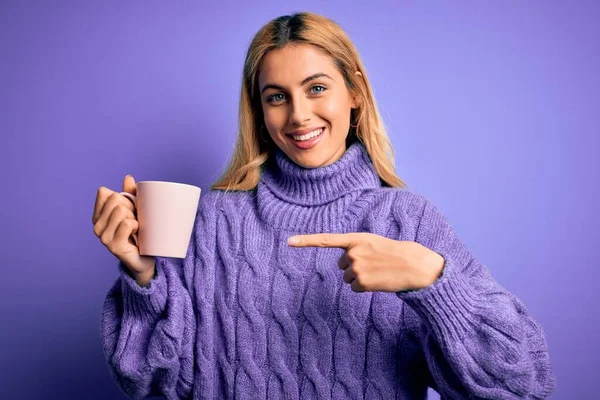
(252, 150)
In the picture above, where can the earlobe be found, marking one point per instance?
(356, 103)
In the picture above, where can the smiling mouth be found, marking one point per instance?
(308, 140)
(307, 136)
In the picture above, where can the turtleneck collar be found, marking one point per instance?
(292, 183)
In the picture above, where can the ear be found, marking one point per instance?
(356, 101)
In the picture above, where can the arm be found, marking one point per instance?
(148, 333)
(478, 338)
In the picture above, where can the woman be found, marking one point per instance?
(312, 272)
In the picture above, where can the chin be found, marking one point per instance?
(309, 164)
(311, 161)
(324, 153)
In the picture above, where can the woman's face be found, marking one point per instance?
(303, 94)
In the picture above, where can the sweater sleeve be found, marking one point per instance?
(148, 333)
(478, 338)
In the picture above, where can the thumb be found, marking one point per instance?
(129, 185)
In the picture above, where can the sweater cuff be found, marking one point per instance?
(144, 302)
(448, 306)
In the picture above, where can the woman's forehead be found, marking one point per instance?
(293, 63)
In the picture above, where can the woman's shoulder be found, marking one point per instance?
(215, 204)
(412, 212)
(404, 195)
(214, 200)
(402, 201)
(416, 207)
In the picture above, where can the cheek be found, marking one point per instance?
(274, 118)
(336, 110)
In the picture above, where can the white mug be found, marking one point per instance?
(166, 212)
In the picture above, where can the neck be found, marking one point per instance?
(292, 183)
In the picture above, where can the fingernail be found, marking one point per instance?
(292, 240)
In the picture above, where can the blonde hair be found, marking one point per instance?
(252, 151)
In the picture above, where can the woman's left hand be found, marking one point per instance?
(376, 263)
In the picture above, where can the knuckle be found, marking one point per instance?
(114, 196)
(126, 203)
(105, 193)
(97, 231)
(114, 248)
(105, 239)
(111, 247)
(121, 211)
(129, 223)
(352, 256)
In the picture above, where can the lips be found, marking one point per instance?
(301, 132)
(306, 144)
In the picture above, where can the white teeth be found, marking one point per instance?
(309, 135)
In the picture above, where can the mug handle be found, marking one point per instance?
(133, 200)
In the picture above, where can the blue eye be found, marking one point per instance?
(314, 89)
(275, 98)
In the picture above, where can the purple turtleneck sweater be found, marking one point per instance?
(246, 316)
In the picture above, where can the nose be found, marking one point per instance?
(300, 111)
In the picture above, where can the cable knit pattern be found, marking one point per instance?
(245, 316)
(284, 333)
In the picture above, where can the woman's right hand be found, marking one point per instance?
(114, 222)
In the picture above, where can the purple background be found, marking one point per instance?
(492, 111)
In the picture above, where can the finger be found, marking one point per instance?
(101, 197)
(349, 275)
(356, 287)
(114, 200)
(121, 247)
(344, 261)
(129, 185)
(126, 228)
(340, 240)
(118, 214)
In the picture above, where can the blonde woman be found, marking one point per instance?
(312, 271)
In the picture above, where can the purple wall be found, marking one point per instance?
(492, 111)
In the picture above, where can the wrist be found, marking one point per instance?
(143, 279)
(431, 269)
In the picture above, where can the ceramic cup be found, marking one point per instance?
(166, 212)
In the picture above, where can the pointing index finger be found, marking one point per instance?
(340, 240)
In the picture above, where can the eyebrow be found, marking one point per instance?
(304, 82)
